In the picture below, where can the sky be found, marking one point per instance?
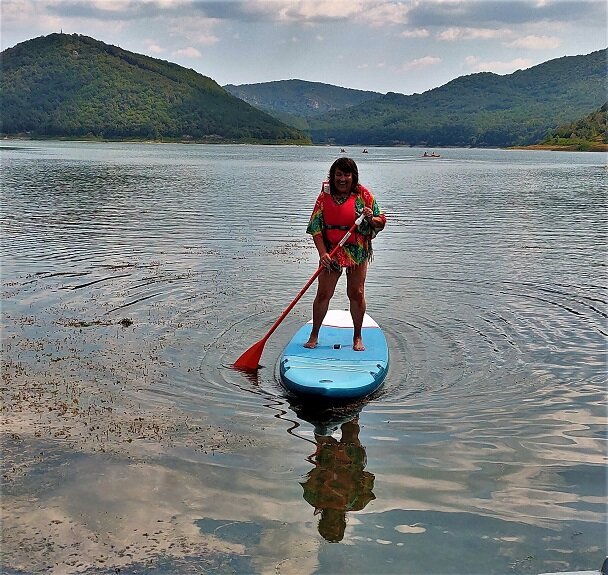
(406, 46)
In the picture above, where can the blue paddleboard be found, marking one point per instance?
(333, 369)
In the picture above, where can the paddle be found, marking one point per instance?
(250, 360)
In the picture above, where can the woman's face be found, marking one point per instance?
(343, 181)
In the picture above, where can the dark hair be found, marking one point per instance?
(348, 166)
(332, 524)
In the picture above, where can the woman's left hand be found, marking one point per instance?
(368, 213)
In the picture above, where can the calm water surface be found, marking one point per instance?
(133, 275)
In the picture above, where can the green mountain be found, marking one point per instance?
(295, 101)
(75, 86)
(482, 109)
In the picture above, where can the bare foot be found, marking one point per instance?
(311, 343)
(358, 344)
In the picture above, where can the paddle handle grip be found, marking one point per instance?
(313, 278)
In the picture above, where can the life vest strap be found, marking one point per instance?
(330, 227)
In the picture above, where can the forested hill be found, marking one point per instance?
(588, 133)
(76, 86)
(294, 101)
(482, 109)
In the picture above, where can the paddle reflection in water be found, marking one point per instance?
(338, 482)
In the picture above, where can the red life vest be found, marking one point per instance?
(338, 218)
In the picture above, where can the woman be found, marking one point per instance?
(336, 209)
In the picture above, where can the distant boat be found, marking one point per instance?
(433, 155)
(342, 151)
(364, 152)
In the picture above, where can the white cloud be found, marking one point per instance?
(417, 33)
(452, 34)
(372, 12)
(497, 66)
(535, 42)
(189, 52)
(499, 13)
(384, 13)
(154, 48)
(303, 10)
(420, 63)
(163, 3)
(197, 31)
(108, 5)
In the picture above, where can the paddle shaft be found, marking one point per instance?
(312, 279)
(250, 359)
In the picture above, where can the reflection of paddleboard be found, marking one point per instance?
(333, 369)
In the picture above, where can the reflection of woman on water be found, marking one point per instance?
(339, 482)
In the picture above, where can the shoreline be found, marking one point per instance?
(593, 147)
(579, 147)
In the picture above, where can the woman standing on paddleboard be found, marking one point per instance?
(340, 202)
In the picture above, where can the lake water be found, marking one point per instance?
(133, 275)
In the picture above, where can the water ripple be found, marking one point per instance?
(131, 282)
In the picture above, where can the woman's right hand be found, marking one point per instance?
(325, 261)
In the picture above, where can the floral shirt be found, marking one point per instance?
(350, 254)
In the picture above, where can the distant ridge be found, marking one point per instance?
(64, 85)
(483, 109)
(295, 101)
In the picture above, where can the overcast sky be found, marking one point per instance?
(403, 46)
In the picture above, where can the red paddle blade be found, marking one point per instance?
(250, 360)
